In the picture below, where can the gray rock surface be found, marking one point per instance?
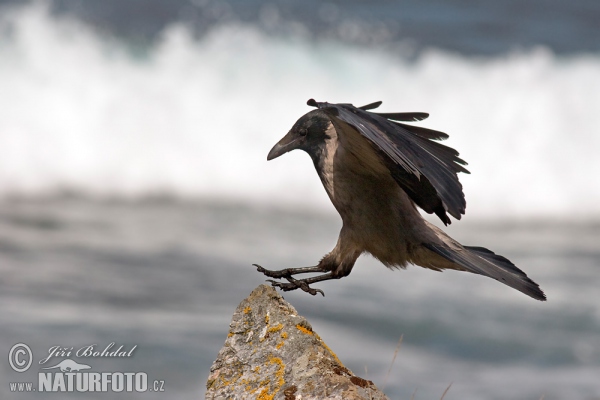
(272, 353)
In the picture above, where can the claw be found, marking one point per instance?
(286, 287)
(304, 286)
(293, 283)
(284, 273)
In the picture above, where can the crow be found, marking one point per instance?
(376, 170)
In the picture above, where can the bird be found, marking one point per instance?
(377, 171)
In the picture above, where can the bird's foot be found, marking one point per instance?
(295, 284)
(284, 273)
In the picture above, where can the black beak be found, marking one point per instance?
(289, 142)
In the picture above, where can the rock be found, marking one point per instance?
(273, 353)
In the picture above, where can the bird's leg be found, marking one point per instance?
(287, 272)
(303, 283)
(295, 283)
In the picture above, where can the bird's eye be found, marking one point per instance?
(303, 132)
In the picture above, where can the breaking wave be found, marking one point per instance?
(195, 117)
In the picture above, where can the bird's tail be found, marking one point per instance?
(482, 261)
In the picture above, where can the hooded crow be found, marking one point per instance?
(376, 170)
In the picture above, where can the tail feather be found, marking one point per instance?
(497, 259)
(482, 261)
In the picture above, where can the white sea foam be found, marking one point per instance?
(196, 117)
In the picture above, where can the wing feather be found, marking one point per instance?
(371, 106)
(426, 170)
(424, 132)
(405, 116)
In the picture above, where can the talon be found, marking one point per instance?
(293, 283)
(313, 291)
(286, 287)
(300, 284)
(272, 274)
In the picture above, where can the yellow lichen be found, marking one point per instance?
(230, 334)
(304, 330)
(272, 329)
(280, 371)
(247, 310)
(234, 378)
(250, 389)
(329, 350)
(284, 336)
(309, 332)
(265, 394)
(267, 319)
(275, 328)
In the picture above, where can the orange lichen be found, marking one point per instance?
(249, 383)
(304, 330)
(265, 394)
(247, 310)
(329, 350)
(275, 328)
(272, 329)
(280, 370)
(250, 389)
(230, 334)
(267, 319)
(284, 336)
(228, 382)
(309, 332)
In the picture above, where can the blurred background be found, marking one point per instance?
(135, 192)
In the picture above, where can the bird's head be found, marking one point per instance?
(309, 133)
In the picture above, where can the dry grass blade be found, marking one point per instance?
(392, 364)
(412, 396)
(445, 391)
(367, 378)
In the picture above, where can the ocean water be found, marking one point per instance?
(135, 192)
(167, 275)
(194, 118)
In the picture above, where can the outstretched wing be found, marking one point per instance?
(426, 170)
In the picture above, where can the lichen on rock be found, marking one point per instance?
(272, 353)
